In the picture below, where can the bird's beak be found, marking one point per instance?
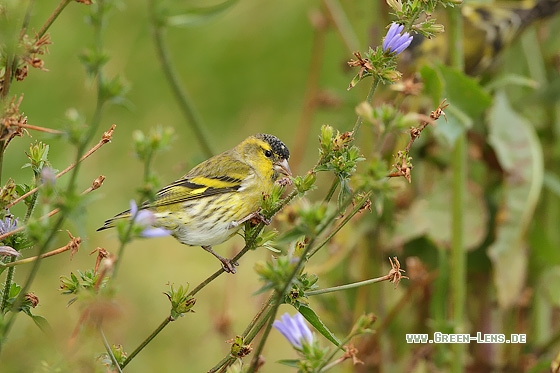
(283, 167)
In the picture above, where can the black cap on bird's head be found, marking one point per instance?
(280, 150)
(276, 144)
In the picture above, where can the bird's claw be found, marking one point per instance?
(229, 265)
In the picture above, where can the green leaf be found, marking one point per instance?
(293, 363)
(464, 92)
(519, 152)
(314, 320)
(43, 324)
(433, 84)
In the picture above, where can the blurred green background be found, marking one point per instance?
(246, 70)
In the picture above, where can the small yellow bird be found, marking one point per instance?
(208, 205)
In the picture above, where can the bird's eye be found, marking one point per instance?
(267, 153)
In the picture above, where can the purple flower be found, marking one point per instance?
(294, 329)
(146, 219)
(7, 225)
(395, 42)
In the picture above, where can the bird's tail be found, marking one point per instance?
(110, 223)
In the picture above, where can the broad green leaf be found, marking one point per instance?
(433, 84)
(314, 320)
(520, 154)
(43, 324)
(466, 98)
(464, 92)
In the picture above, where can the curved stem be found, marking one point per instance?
(183, 99)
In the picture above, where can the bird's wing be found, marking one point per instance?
(215, 176)
(224, 173)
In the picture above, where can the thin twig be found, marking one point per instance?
(394, 276)
(52, 18)
(95, 185)
(73, 246)
(41, 129)
(104, 140)
(161, 326)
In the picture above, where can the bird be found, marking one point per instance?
(209, 204)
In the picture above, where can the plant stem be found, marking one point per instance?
(109, 351)
(7, 286)
(370, 94)
(348, 286)
(342, 224)
(183, 99)
(53, 17)
(459, 166)
(146, 341)
(31, 276)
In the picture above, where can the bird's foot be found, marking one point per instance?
(227, 264)
(254, 217)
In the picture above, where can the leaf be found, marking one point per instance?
(433, 84)
(464, 92)
(314, 320)
(43, 324)
(293, 363)
(520, 154)
(466, 97)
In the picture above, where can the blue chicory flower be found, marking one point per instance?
(8, 224)
(395, 42)
(294, 329)
(146, 219)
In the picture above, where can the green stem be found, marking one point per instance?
(370, 94)
(249, 333)
(459, 166)
(146, 341)
(183, 99)
(31, 276)
(7, 286)
(109, 351)
(52, 17)
(348, 286)
(342, 224)
(332, 189)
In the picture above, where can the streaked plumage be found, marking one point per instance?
(209, 204)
